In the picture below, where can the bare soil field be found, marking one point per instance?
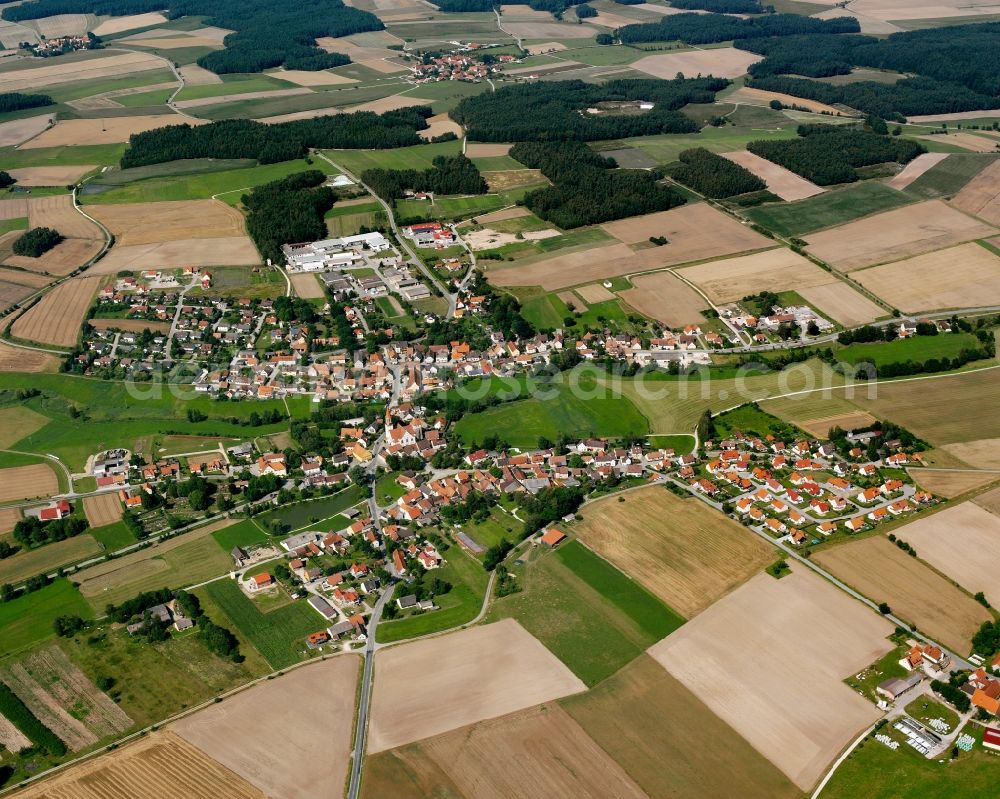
(884, 573)
(545, 47)
(65, 257)
(13, 209)
(12, 34)
(177, 42)
(212, 32)
(56, 318)
(703, 758)
(915, 169)
(605, 20)
(49, 175)
(513, 212)
(8, 518)
(105, 67)
(772, 270)
(231, 733)
(966, 276)
(869, 25)
(128, 23)
(981, 195)
(488, 150)
(230, 251)
(554, 757)
(546, 30)
(843, 303)
(681, 550)
(103, 509)
(783, 182)
(762, 97)
(16, 359)
(198, 76)
(108, 130)
(11, 738)
(726, 658)
(962, 541)
(148, 223)
(665, 297)
(982, 453)
(157, 765)
(967, 141)
(506, 179)
(27, 482)
(130, 325)
(23, 278)
(61, 25)
(58, 212)
(306, 79)
(20, 130)
(307, 286)
(722, 62)
(820, 428)
(895, 234)
(468, 676)
(232, 98)
(949, 483)
(990, 500)
(595, 292)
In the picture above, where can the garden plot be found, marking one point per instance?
(774, 270)
(107, 130)
(895, 234)
(109, 66)
(468, 676)
(981, 195)
(799, 715)
(103, 509)
(722, 62)
(20, 130)
(56, 318)
(230, 734)
(149, 223)
(966, 276)
(783, 182)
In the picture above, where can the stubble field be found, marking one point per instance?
(949, 483)
(772, 270)
(842, 303)
(665, 297)
(722, 62)
(50, 175)
(107, 130)
(798, 715)
(63, 259)
(149, 223)
(221, 251)
(38, 77)
(27, 482)
(17, 131)
(56, 318)
(783, 182)
(103, 509)
(16, 359)
(983, 453)
(681, 550)
(917, 167)
(57, 212)
(981, 195)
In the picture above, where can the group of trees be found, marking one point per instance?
(449, 175)
(553, 110)
(268, 144)
(6, 180)
(15, 101)
(714, 176)
(287, 211)
(37, 241)
(586, 188)
(723, 6)
(707, 28)
(830, 154)
(33, 532)
(554, 7)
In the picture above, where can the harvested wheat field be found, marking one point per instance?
(230, 732)
(843, 303)
(990, 500)
(129, 325)
(950, 482)
(148, 223)
(8, 518)
(966, 276)
(684, 227)
(13, 209)
(228, 251)
(772, 270)
(683, 551)
(595, 292)
(50, 175)
(17, 359)
(61, 25)
(57, 212)
(967, 141)
(305, 79)
(665, 297)
(108, 66)
(722, 62)
(512, 212)
(379, 106)
(820, 428)
(783, 182)
(468, 676)
(507, 179)
(963, 542)
(157, 765)
(198, 76)
(884, 573)
(488, 150)
(548, 30)
(128, 23)
(12, 293)
(727, 657)
(915, 169)
(176, 42)
(983, 453)
(22, 278)
(103, 509)
(28, 482)
(61, 260)
(895, 234)
(56, 318)
(108, 130)
(981, 195)
(702, 758)
(20, 130)
(307, 286)
(762, 97)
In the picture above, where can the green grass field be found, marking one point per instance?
(244, 281)
(113, 536)
(950, 175)
(589, 615)
(916, 348)
(681, 444)
(387, 490)
(170, 169)
(827, 209)
(103, 154)
(7, 225)
(234, 84)
(145, 99)
(667, 148)
(458, 606)
(48, 558)
(279, 635)
(243, 534)
(419, 156)
(27, 620)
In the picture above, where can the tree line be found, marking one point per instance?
(714, 176)
(708, 28)
(830, 154)
(723, 6)
(269, 144)
(587, 188)
(287, 211)
(553, 110)
(449, 175)
(32, 532)
(16, 101)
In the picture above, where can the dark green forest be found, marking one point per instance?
(449, 175)
(722, 6)
(714, 176)
(551, 110)
(288, 211)
(707, 28)
(269, 144)
(15, 101)
(587, 187)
